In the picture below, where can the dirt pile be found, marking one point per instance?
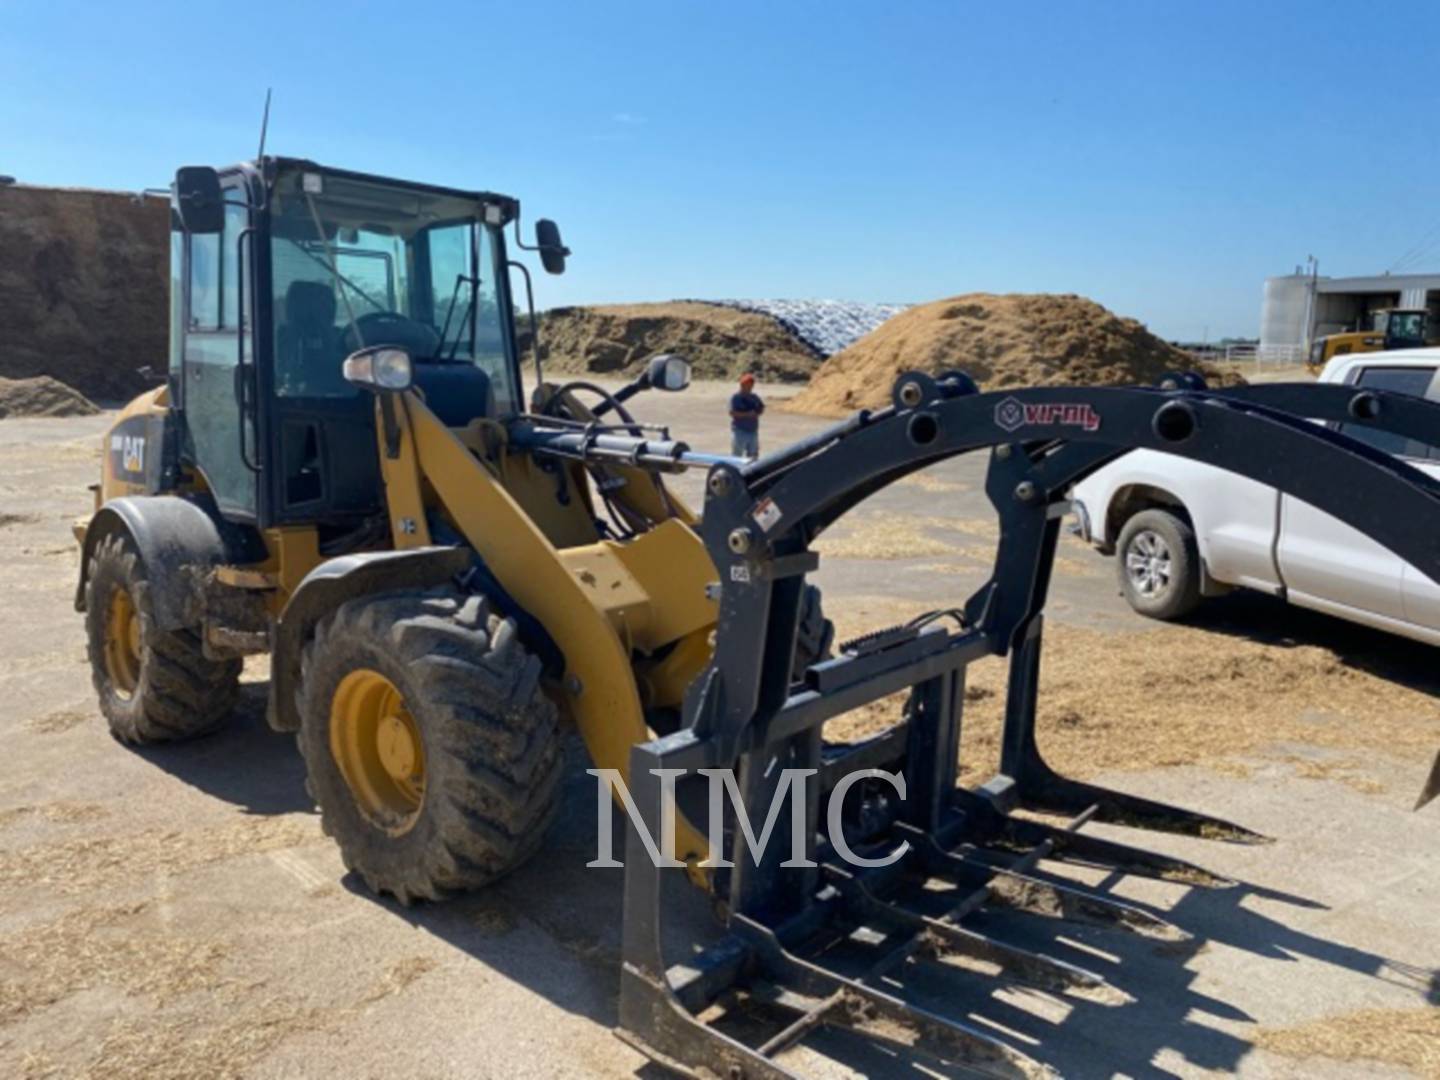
(720, 342)
(84, 290)
(1013, 340)
(42, 396)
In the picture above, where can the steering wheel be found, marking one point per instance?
(392, 328)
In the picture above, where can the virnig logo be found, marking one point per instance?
(1012, 413)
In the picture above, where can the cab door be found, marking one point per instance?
(216, 334)
(1327, 564)
(1420, 595)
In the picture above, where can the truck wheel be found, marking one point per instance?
(154, 685)
(1158, 564)
(429, 746)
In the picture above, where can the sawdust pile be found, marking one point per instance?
(1182, 696)
(84, 287)
(1012, 340)
(42, 396)
(720, 342)
(1407, 1038)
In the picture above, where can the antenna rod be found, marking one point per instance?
(264, 124)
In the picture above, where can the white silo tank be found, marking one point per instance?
(1285, 311)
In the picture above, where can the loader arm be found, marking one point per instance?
(597, 602)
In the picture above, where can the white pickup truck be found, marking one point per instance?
(1182, 531)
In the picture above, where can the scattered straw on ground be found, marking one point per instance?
(929, 482)
(178, 1047)
(92, 862)
(186, 1015)
(100, 947)
(985, 554)
(1000, 341)
(1346, 772)
(399, 977)
(63, 813)
(1407, 1038)
(1176, 696)
(885, 538)
(985, 528)
(183, 1045)
(55, 722)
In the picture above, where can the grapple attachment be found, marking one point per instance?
(900, 873)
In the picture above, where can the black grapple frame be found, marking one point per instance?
(747, 714)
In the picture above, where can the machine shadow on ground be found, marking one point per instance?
(245, 763)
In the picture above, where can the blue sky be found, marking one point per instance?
(1161, 158)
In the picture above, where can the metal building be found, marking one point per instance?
(1298, 307)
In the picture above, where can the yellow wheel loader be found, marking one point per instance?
(343, 470)
(328, 474)
(1392, 328)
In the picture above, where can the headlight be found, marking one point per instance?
(380, 367)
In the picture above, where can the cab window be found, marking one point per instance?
(204, 313)
(1416, 381)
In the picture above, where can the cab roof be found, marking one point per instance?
(269, 165)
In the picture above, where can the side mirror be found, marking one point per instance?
(552, 250)
(668, 372)
(665, 371)
(198, 198)
(379, 367)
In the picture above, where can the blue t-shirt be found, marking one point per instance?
(743, 402)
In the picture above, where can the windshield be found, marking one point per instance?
(355, 263)
(1407, 326)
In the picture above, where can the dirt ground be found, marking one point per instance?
(176, 912)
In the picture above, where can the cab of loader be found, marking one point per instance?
(280, 269)
(1404, 328)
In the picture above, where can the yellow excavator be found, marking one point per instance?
(343, 471)
(1391, 328)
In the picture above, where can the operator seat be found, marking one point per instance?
(309, 344)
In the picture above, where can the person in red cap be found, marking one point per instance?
(745, 410)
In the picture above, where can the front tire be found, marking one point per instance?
(154, 685)
(1158, 564)
(429, 746)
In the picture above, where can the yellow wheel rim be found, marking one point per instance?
(122, 643)
(376, 744)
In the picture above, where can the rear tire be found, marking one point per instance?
(1158, 564)
(480, 760)
(154, 685)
